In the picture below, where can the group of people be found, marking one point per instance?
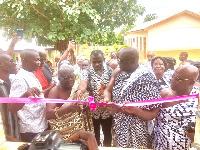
(161, 126)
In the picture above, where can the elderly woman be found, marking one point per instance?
(159, 66)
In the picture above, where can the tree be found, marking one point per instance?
(119, 36)
(150, 17)
(55, 21)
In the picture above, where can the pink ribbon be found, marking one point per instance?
(91, 102)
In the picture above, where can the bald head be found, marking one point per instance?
(183, 79)
(63, 70)
(130, 52)
(128, 59)
(30, 60)
(150, 55)
(189, 71)
(27, 53)
(3, 56)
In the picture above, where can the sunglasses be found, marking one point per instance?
(124, 60)
(68, 78)
(180, 80)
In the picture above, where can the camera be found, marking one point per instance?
(51, 140)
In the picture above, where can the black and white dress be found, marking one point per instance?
(171, 124)
(129, 130)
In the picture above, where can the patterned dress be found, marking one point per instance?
(172, 123)
(129, 130)
(164, 82)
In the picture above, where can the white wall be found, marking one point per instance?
(181, 33)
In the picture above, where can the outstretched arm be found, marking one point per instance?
(142, 114)
(52, 113)
(108, 90)
(82, 87)
(66, 53)
(14, 107)
(11, 47)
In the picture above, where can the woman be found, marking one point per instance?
(159, 66)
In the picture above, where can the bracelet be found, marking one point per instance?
(56, 112)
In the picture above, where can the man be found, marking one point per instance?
(132, 82)
(150, 56)
(32, 115)
(69, 111)
(77, 66)
(183, 58)
(8, 67)
(44, 74)
(10, 121)
(172, 119)
(96, 77)
(85, 64)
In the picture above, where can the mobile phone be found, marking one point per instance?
(71, 39)
(20, 32)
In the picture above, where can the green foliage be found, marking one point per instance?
(53, 20)
(116, 47)
(119, 36)
(150, 17)
(126, 45)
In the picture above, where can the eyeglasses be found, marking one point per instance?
(124, 60)
(180, 80)
(68, 78)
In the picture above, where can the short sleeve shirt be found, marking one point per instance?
(94, 80)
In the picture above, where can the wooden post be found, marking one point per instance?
(197, 127)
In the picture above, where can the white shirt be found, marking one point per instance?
(32, 115)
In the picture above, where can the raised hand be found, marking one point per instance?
(101, 89)
(32, 92)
